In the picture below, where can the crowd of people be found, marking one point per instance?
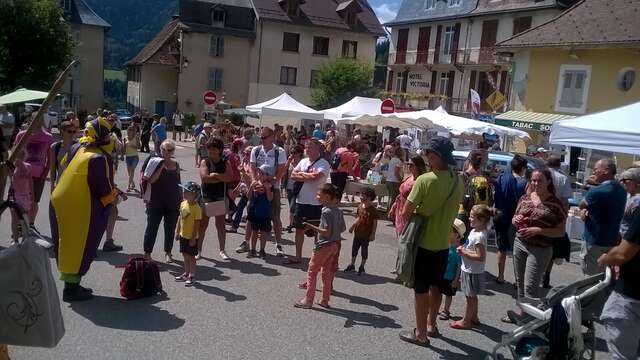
(249, 170)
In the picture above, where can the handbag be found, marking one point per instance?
(408, 244)
(215, 208)
(30, 313)
(297, 185)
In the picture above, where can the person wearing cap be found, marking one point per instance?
(601, 210)
(201, 143)
(187, 230)
(436, 196)
(621, 313)
(80, 207)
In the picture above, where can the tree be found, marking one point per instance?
(338, 81)
(35, 43)
(382, 51)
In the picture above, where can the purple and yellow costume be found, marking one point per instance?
(81, 203)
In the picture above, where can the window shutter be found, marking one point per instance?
(221, 46)
(436, 56)
(434, 80)
(521, 24)
(472, 79)
(503, 82)
(454, 46)
(218, 79)
(390, 81)
(423, 45)
(405, 77)
(212, 45)
(211, 84)
(452, 78)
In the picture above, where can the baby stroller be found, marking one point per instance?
(530, 341)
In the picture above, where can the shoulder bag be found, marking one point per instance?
(408, 244)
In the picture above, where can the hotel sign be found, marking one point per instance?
(418, 82)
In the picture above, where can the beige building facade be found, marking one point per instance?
(247, 51)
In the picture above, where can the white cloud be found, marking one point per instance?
(385, 13)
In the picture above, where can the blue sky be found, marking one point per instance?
(385, 9)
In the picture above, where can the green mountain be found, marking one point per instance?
(133, 24)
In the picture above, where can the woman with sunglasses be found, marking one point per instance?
(59, 151)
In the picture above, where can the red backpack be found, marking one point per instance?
(141, 278)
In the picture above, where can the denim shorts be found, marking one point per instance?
(132, 161)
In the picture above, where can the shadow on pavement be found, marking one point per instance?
(115, 258)
(470, 352)
(354, 299)
(245, 267)
(354, 318)
(203, 273)
(137, 315)
(365, 279)
(228, 296)
(506, 288)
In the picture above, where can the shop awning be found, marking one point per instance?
(22, 95)
(528, 120)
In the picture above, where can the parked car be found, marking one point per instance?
(125, 118)
(498, 161)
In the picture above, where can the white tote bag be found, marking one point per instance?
(30, 312)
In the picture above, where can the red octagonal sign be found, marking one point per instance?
(209, 97)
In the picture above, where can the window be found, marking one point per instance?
(288, 75)
(443, 85)
(349, 49)
(626, 78)
(313, 82)
(429, 4)
(454, 3)
(521, 24)
(216, 46)
(293, 8)
(399, 81)
(290, 42)
(573, 88)
(215, 79)
(351, 18)
(217, 17)
(447, 40)
(320, 45)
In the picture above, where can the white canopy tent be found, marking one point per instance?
(438, 121)
(283, 110)
(616, 130)
(354, 107)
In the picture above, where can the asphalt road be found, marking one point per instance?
(243, 308)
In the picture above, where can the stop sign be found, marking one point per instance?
(209, 97)
(388, 107)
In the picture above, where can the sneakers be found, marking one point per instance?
(168, 258)
(181, 278)
(252, 254)
(244, 247)
(189, 282)
(110, 246)
(360, 270)
(197, 257)
(223, 255)
(75, 292)
(349, 268)
(279, 251)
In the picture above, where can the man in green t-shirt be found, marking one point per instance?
(436, 196)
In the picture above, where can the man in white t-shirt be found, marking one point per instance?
(178, 119)
(313, 172)
(276, 158)
(405, 143)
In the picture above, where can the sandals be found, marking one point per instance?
(324, 305)
(410, 337)
(457, 325)
(433, 333)
(301, 305)
(444, 315)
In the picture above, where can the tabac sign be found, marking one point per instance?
(525, 125)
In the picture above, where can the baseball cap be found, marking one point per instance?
(266, 169)
(460, 228)
(190, 186)
(632, 174)
(442, 147)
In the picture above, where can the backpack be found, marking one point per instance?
(477, 192)
(141, 278)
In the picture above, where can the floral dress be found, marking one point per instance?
(401, 200)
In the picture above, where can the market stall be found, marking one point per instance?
(355, 107)
(283, 110)
(537, 125)
(22, 95)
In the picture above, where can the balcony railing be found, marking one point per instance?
(477, 56)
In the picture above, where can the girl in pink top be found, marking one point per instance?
(22, 190)
(417, 167)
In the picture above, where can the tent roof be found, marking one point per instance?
(614, 130)
(354, 107)
(22, 95)
(285, 106)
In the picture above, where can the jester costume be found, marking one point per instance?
(80, 207)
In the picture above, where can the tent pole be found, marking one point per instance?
(5, 167)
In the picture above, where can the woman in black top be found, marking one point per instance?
(215, 171)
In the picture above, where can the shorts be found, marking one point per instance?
(178, 128)
(471, 284)
(306, 212)
(185, 248)
(275, 204)
(446, 289)
(505, 235)
(132, 161)
(429, 269)
(259, 224)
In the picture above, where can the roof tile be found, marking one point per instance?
(158, 50)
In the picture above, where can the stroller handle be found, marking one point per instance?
(537, 313)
